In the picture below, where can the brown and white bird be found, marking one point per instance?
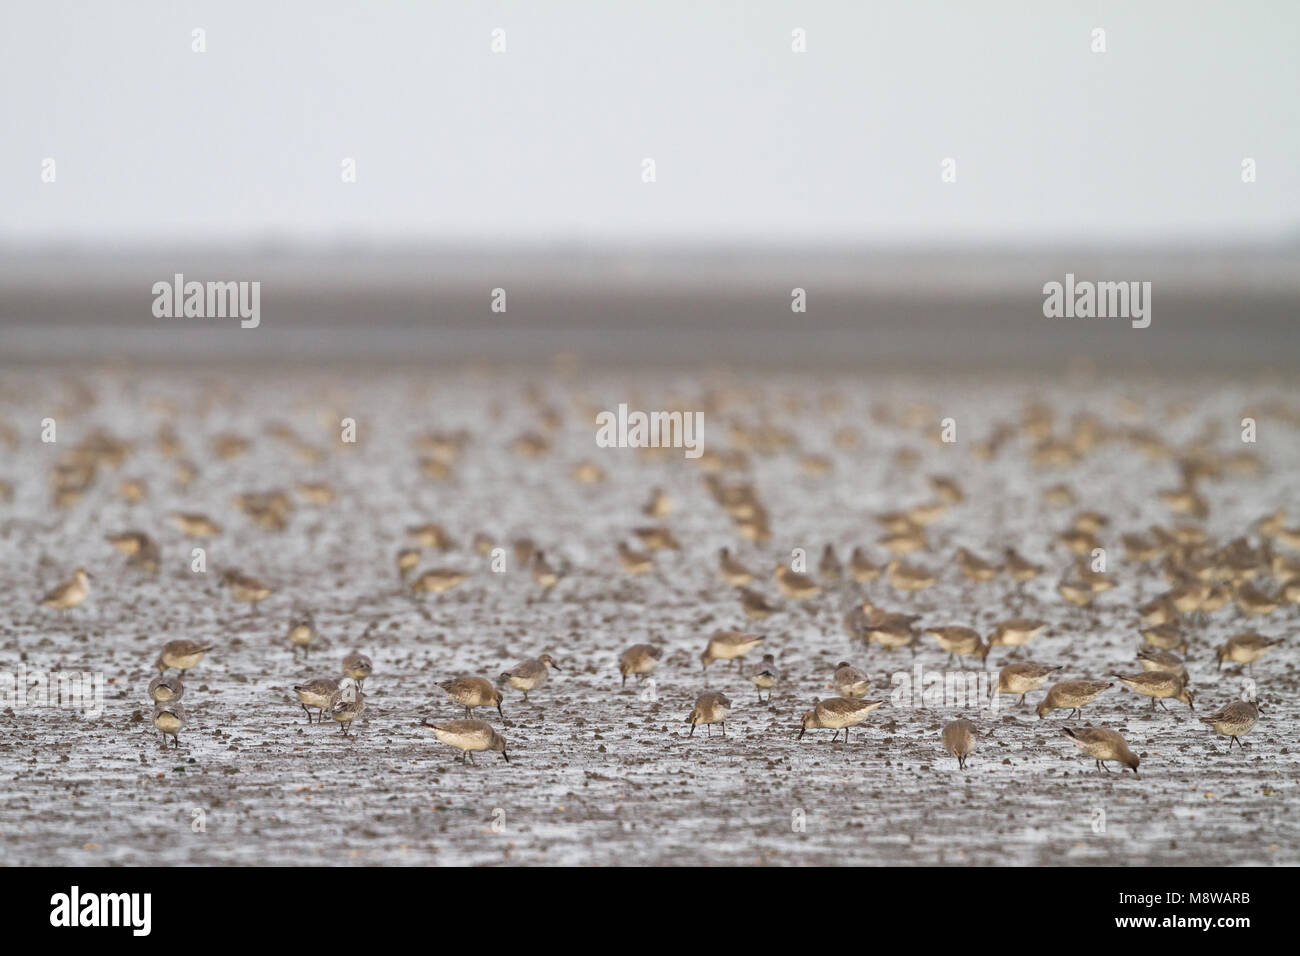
(531, 674)
(960, 739)
(316, 693)
(711, 707)
(70, 593)
(1102, 745)
(795, 585)
(1234, 720)
(1071, 695)
(639, 660)
(732, 571)
(835, 714)
(169, 718)
(1158, 685)
(764, 676)
(849, 681)
(1245, 649)
(1022, 678)
(471, 692)
(468, 736)
(728, 646)
(181, 655)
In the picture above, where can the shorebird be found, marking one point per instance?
(732, 571)
(1166, 637)
(659, 504)
(1019, 568)
(357, 666)
(407, 559)
(711, 708)
(169, 718)
(70, 593)
(1141, 548)
(468, 736)
(639, 659)
(891, 631)
(1078, 593)
(346, 704)
(1251, 600)
(1245, 649)
(795, 585)
(1102, 745)
(755, 605)
(195, 525)
(1015, 632)
(140, 549)
(904, 542)
(1022, 678)
(438, 580)
(764, 676)
(829, 567)
(302, 631)
(974, 567)
(1071, 695)
(1158, 685)
(863, 569)
(959, 642)
(430, 535)
(849, 681)
(163, 689)
(1155, 659)
(316, 693)
(181, 655)
(905, 577)
(315, 492)
(728, 646)
(634, 562)
(1234, 720)
(656, 539)
(837, 713)
(529, 675)
(946, 489)
(1157, 611)
(959, 739)
(471, 692)
(543, 573)
(246, 589)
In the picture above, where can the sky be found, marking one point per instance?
(153, 142)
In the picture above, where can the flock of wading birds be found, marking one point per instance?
(1203, 578)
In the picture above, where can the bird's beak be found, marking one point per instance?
(557, 667)
(501, 712)
(506, 756)
(801, 730)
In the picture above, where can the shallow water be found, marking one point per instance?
(599, 774)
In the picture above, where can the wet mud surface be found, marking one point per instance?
(600, 774)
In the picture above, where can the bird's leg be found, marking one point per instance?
(307, 712)
(1022, 701)
(724, 728)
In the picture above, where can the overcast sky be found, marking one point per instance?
(750, 140)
